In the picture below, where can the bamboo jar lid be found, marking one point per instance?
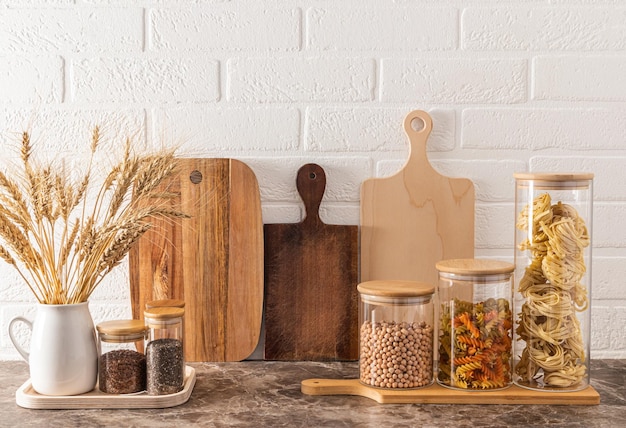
(556, 180)
(164, 313)
(396, 288)
(554, 176)
(474, 267)
(121, 327)
(122, 331)
(165, 303)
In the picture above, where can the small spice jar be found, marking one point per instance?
(122, 369)
(553, 219)
(396, 334)
(164, 350)
(475, 323)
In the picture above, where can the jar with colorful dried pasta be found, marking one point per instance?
(475, 324)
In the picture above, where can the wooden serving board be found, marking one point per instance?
(436, 394)
(311, 274)
(415, 218)
(28, 398)
(213, 261)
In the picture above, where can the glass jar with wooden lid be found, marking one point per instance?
(475, 323)
(164, 350)
(396, 334)
(553, 220)
(121, 367)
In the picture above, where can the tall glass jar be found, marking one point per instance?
(164, 350)
(553, 286)
(122, 365)
(475, 323)
(396, 334)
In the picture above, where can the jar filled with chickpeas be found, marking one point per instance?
(475, 324)
(396, 334)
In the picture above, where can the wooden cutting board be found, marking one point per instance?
(311, 274)
(415, 218)
(213, 261)
(436, 394)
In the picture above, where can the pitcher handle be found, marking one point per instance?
(16, 343)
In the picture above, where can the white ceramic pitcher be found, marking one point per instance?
(63, 357)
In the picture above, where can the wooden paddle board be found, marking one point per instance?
(311, 274)
(436, 394)
(415, 218)
(213, 260)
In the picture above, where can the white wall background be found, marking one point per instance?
(512, 85)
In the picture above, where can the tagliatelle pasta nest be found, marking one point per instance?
(553, 294)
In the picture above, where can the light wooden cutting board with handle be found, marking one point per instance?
(311, 274)
(415, 218)
(213, 260)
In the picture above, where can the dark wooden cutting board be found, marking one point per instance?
(415, 218)
(311, 274)
(213, 260)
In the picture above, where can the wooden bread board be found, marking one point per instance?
(415, 218)
(28, 398)
(212, 260)
(437, 394)
(311, 274)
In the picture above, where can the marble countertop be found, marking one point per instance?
(267, 394)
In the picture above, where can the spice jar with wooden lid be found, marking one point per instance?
(396, 334)
(164, 350)
(121, 368)
(475, 324)
(553, 221)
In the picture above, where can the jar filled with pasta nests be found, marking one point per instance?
(396, 334)
(475, 324)
(553, 280)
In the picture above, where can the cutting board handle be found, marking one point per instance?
(417, 126)
(311, 184)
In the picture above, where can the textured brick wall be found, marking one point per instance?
(512, 85)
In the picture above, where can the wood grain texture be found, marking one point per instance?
(311, 274)
(415, 218)
(436, 394)
(213, 261)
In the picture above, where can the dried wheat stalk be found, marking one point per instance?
(64, 237)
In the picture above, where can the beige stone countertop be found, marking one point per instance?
(267, 394)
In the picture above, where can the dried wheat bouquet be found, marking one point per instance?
(65, 235)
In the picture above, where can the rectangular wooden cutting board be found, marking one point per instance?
(311, 274)
(415, 218)
(213, 260)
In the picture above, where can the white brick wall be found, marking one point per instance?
(512, 85)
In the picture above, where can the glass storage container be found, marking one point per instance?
(396, 334)
(121, 367)
(553, 217)
(475, 324)
(164, 350)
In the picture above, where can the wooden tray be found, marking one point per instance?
(28, 398)
(436, 394)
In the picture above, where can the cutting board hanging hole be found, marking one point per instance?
(195, 177)
(417, 124)
(312, 176)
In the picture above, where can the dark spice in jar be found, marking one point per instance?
(165, 366)
(122, 371)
